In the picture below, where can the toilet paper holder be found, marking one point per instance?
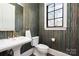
(53, 39)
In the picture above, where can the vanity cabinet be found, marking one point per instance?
(7, 17)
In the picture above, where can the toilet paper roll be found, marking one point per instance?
(53, 39)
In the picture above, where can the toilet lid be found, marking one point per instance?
(42, 46)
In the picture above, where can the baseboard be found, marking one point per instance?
(57, 53)
(28, 52)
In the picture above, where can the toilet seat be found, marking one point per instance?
(42, 46)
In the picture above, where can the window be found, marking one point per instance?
(55, 16)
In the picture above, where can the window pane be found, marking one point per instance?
(48, 4)
(51, 15)
(51, 7)
(50, 23)
(58, 22)
(58, 5)
(58, 13)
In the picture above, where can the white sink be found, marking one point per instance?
(10, 43)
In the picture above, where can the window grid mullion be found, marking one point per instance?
(55, 10)
(62, 13)
(47, 16)
(54, 14)
(55, 18)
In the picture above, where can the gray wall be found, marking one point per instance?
(18, 19)
(31, 12)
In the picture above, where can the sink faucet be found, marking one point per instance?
(14, 34)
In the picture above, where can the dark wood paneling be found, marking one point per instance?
(78, 30)
(66, 40)
(34, 19)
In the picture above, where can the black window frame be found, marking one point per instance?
(54, 15)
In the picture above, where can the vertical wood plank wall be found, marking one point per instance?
(32, 18)
(66, 40)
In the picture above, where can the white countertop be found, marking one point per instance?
(6, 44)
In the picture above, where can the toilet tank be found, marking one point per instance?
(35, 41)
(28, 34)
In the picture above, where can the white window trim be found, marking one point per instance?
(64, 21)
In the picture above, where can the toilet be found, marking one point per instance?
(39, 49)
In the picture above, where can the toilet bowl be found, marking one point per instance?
(39, 49)
(42, 48)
